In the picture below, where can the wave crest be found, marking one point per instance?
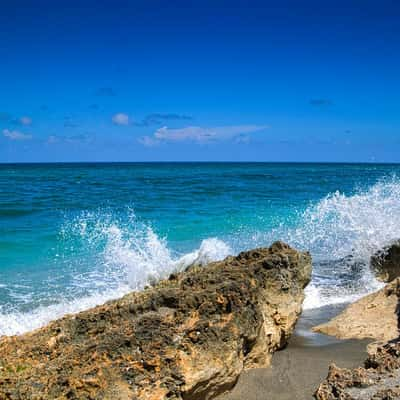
(360, 224)
(342, 232)
(126, 254)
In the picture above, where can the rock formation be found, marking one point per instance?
(188, 337)
(386, 262)
(379, 379)
(374, 316)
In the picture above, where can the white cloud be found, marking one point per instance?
(120, 119)
(25, 120)
(16, 135)
(148, 141)
(200, 135)
(74, 139)
(53, 139)
(242, 139)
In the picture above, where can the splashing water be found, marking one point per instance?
(106, 255)
(359, 225)
(132, 255)
(342, 232)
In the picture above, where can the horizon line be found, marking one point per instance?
(197, 162)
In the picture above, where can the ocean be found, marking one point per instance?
(76, 235)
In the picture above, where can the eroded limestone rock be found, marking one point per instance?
(374, 316)
(378, 379)
(188, 337)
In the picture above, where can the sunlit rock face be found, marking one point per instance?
(187, 337)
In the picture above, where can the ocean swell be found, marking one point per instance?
(121, 254)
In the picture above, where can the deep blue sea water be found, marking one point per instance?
(76, 235)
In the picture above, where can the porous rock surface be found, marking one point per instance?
(374, 316)
(188, 337)
(378, 379)
(386, 262)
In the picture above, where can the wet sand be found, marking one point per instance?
(297, 370)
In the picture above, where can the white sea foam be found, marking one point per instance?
(132, 255)
(341, 232)
(17, 322)
(211, 249)
(359, 225)
(339, 226)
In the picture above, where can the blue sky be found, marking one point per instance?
(200, 80)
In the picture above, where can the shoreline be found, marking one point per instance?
(221, 338)
(297, 370)
(189, 336)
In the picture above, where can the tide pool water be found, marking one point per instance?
(75, 235)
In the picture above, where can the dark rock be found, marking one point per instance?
(386, 262)
(188, 337)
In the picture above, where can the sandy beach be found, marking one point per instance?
(297, 370)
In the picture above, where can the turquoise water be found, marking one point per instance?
(75, 235)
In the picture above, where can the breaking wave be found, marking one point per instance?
(342, 232)
(124, 254)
